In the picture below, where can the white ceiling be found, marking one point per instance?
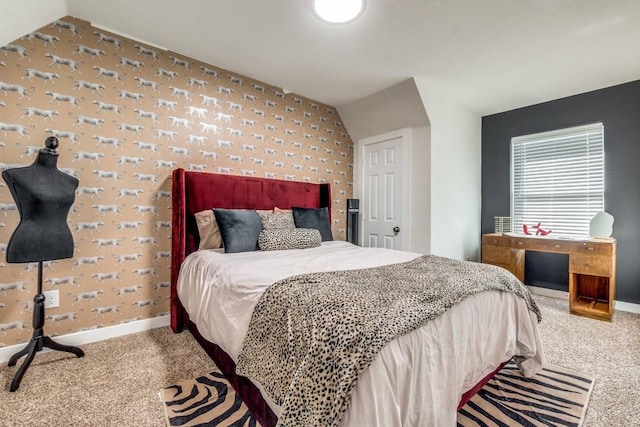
(489, 56)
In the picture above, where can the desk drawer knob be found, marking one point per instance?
(588, 265)
(557, 246)
(590, 248)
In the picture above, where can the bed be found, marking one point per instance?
(405, 385)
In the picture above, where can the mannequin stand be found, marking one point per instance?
(39, 340)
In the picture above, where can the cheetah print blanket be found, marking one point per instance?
(312, 335)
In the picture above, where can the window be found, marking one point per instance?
(557, 179)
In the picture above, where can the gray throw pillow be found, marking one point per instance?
(314, 218)
(239, 228)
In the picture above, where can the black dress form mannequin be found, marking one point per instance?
(43, 195)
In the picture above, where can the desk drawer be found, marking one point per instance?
(496, 254)
(544, 245)
(496, 240)
(594, 248)
(592, 265)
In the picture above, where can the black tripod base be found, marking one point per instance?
(35, 345)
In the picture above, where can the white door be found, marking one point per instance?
(383, 208)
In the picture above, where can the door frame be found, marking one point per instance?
(405, 194)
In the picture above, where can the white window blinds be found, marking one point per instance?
(557, 179)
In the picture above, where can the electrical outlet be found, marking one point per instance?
(51, 299)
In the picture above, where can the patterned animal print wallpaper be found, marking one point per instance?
(127, 114)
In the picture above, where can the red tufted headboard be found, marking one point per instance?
(197, 191)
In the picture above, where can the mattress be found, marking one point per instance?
(417, 379)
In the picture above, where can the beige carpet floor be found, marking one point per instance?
(117, 382)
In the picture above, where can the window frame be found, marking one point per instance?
(593, 172)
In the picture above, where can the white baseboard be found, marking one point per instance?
(100, 334)
(627, 306)
(545, 292)
(617, 305)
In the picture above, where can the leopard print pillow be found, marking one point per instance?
(276, 239)
(280, 220)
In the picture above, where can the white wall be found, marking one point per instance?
(392, 109)
(455, 159)
(20, 17)
(421, 190)
(446, 160)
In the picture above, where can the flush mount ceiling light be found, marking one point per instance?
(338, 11)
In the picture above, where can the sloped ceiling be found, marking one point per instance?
(21, 17)
(488, 56)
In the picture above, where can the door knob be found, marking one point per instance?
(396, 229)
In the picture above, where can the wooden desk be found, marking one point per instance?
(592, 267)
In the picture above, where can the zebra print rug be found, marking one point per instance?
(208, 400)
(555, 397)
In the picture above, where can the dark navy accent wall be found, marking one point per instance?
(618, 107)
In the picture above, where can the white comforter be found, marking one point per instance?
(418, 379)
